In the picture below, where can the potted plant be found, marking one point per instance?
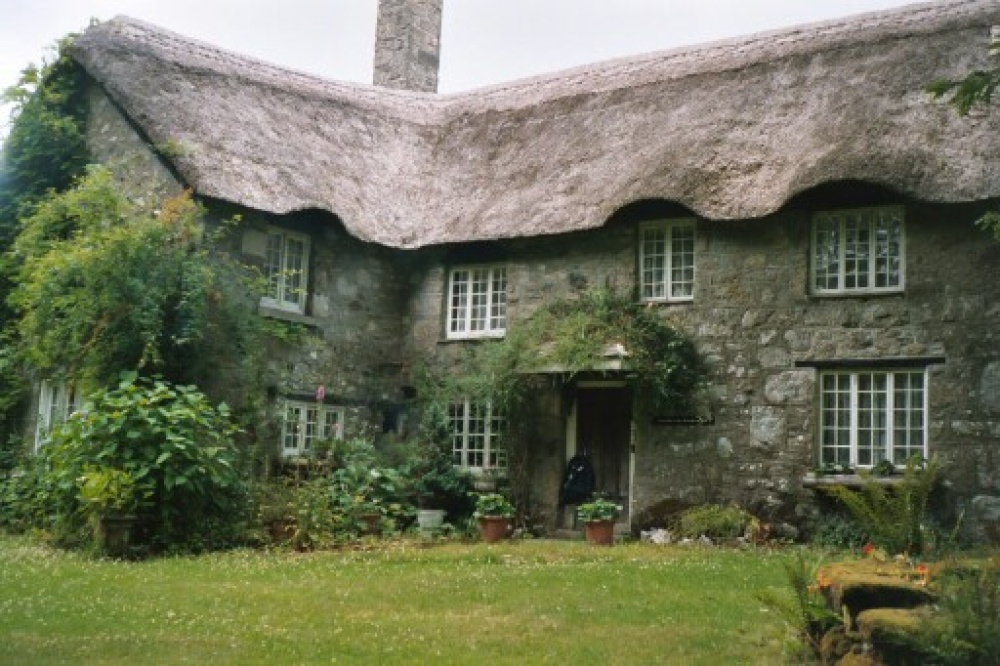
(110, 497)
(598, 517)
(440, 487)
(494, 513)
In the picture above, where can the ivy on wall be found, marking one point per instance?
(591, 333)
(44, 152)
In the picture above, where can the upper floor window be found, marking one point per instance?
(858, 251)
(476, 440)
(666, 260)
(869, 416)
(56, 401)
(305, 422)
(286, 270)
(477, 302)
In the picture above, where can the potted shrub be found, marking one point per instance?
(440, 487)
(110, 497)
(494, 513)
(598, 517)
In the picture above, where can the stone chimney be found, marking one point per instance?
(407, 44)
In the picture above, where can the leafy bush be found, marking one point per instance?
(176, 447)
(835, 530)
(714, 521)
(893, 515)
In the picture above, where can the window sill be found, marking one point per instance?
(833, 295)
(477, 338)
(287, 315)
(659, 303)
(813, 480)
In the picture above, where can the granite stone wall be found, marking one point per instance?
(764, 334)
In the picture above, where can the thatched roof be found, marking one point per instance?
(731, 129)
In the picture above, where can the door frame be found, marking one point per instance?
(572, 430)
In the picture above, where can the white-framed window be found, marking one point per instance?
(56, 401)
(286, 269)
(666, 260)
(477, 302)
(858, 251)
(305, 422)
(476, 441)
(867, 416)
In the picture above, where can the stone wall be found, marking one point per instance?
(755, 321)
(348, 339)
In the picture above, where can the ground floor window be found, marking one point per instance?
(869, 416)
(306, 422)
(476, 442)
(56, 401)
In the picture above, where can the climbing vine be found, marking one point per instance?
(598, 331)
(44, 152)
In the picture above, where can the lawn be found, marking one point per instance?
(399, 602)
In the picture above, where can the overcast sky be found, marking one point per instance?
(483, 41)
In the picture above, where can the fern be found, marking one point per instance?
(893, 516)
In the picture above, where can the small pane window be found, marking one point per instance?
(56, 401)
(867, 417)
(285, 269)
(666, 260)
(477, 302)
(305, 422)
(858, 251)
(476, 439)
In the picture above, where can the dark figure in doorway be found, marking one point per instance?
(578, 481)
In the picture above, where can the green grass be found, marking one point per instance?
(519, 602)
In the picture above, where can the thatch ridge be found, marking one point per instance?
(731, 129)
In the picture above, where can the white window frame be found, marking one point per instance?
(477, 302)
(286, 275)
(477, 428)
(56, 401)
(870, 415)
(303, 422)
(838, 266)
(667, 260)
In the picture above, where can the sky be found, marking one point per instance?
(482, 41)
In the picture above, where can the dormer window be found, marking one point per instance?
(477, 302)
(286, 270)
(857, 251)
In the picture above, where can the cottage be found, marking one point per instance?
(794, 202)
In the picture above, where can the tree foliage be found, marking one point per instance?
(44, 151)
(976, 88)
(105, 285)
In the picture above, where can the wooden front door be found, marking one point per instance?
(604, 429)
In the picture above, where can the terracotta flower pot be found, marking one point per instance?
(599, 532)
(493, 528)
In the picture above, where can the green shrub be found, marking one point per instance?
(892, 515)
(968, 629)
(835, 530)
(176, 447)
(714, 521)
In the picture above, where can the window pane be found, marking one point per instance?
(857, 250)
